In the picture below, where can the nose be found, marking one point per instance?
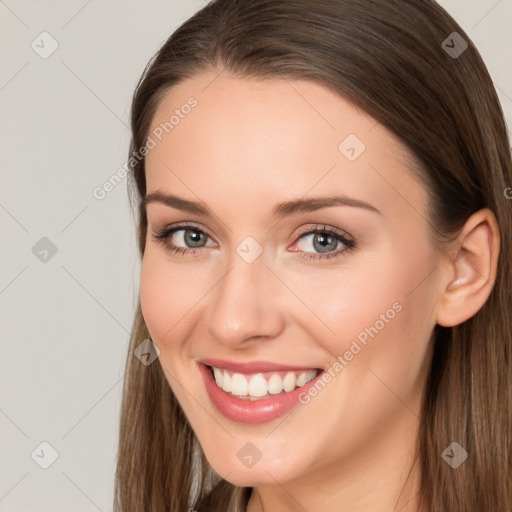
(244, 305)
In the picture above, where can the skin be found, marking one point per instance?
(248, 145)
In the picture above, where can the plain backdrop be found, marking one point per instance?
(69, 264)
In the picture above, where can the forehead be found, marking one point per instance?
(275, 138)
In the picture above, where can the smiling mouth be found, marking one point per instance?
(258, 386)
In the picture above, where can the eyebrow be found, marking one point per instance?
(279, 211)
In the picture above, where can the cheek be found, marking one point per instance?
(386, 301)
(152, 297)
(172, 297)
(161, 297)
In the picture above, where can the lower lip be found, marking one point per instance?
(247, 411)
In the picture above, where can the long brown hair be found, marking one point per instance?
(391, 59)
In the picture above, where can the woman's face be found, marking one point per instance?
(255, 289)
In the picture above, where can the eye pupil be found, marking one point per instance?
(324, 243)
(193, 237)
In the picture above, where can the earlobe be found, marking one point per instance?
(472, 270)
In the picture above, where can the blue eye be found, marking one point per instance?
(192, 237)
(324, 240)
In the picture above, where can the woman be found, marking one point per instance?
(326, 266)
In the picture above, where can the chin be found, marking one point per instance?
(251, 478)
(260, 474)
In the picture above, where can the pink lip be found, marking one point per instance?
(252, 367)
(251, 412)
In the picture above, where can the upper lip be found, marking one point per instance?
(249, 367)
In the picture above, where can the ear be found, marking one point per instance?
(471, 270)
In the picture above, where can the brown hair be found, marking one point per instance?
(387, 57)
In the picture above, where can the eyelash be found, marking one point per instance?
(350, 244)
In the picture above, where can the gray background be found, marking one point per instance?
(66, 319)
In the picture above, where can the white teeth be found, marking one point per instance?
(226, 382)
(256, 386)
(218, 376)
(289, 381)
(305, 377)
(239, 386)
(275, 384)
